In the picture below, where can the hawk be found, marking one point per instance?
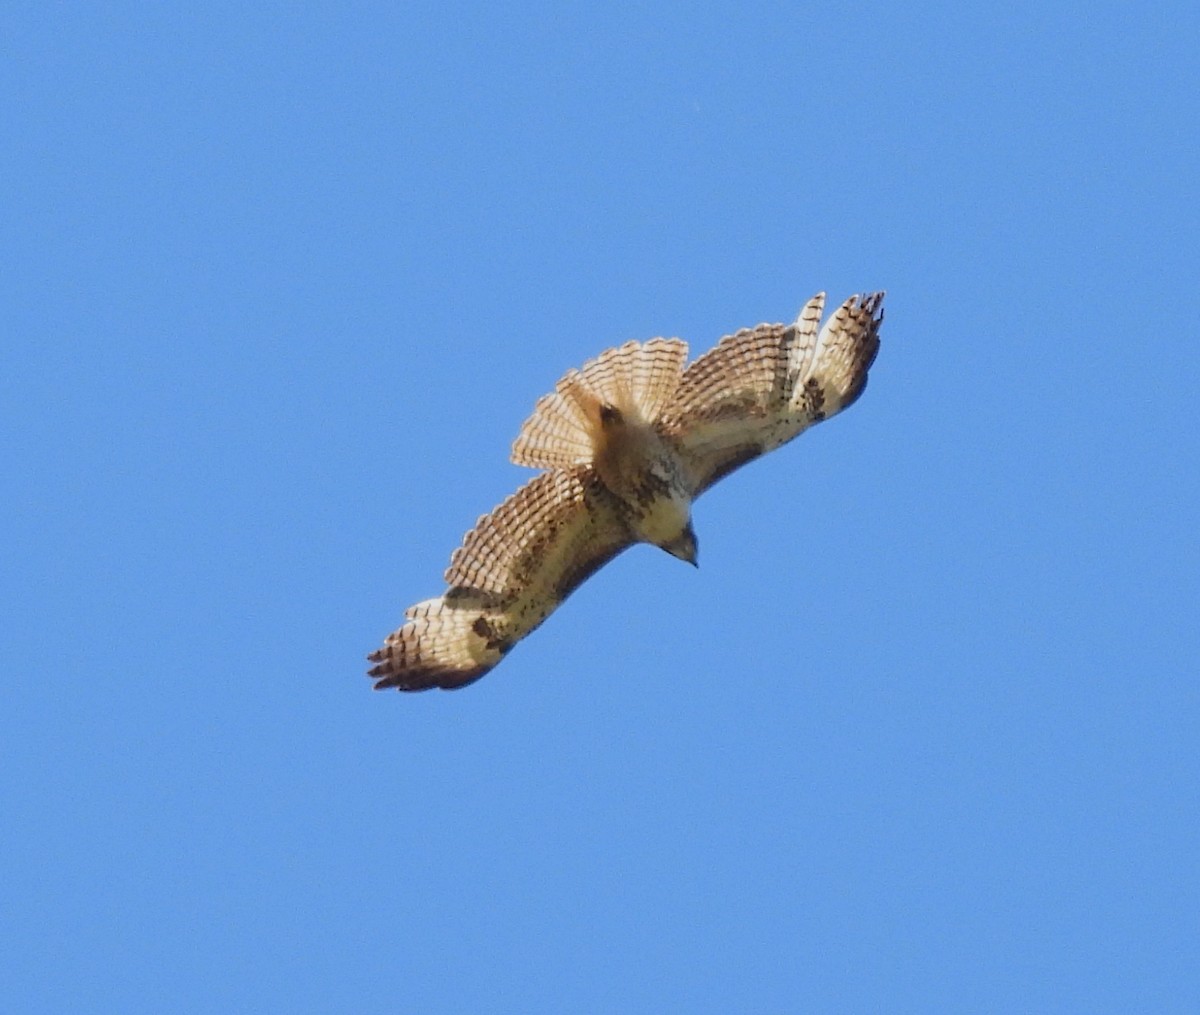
(627, 444)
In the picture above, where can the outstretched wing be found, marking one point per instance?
(512, 571)
(763, 386)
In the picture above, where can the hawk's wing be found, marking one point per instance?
(512, 571)
(761, 387)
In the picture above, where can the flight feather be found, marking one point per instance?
(763, 386)
(512, 570)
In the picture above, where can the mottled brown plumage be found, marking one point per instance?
(629, 441)
(764, 386)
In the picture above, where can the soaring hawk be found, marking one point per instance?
(627, 443)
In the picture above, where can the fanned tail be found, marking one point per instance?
(638, 379)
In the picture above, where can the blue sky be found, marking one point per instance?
(279, 286)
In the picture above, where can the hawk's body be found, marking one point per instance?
(628, 443)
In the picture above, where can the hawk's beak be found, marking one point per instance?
(684, 546)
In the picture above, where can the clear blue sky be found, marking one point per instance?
(279, 286)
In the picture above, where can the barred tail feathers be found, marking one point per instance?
(638, 379)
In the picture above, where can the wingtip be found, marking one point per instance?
(871, 302)
(390, 675)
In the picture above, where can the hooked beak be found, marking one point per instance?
(684, 546)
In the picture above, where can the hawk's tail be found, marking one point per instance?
(638, 380)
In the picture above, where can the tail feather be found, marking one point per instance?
(638, 379)
(559, 434)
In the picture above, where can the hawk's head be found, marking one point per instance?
(684, 545)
